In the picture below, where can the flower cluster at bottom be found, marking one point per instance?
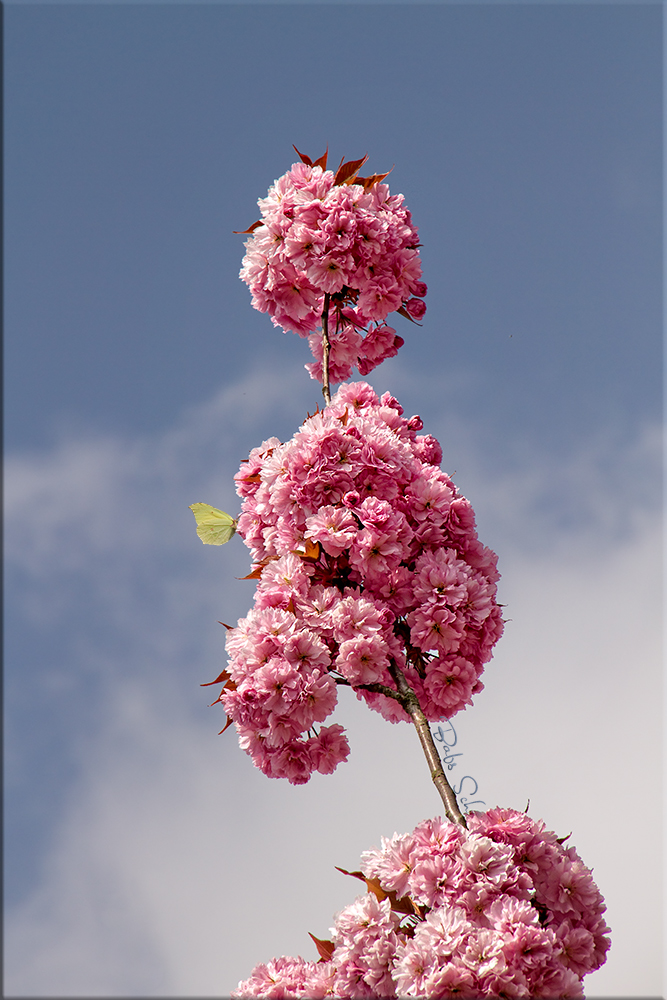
(500, 909)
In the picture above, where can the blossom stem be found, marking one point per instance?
(413, 708)
(377, 688)
(326, 392)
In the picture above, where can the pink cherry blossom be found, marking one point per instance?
(367, 558)
(517, 940)
(322, 237)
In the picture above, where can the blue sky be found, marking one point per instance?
(527, 141)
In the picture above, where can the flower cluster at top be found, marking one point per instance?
(338, 242)
(501, 909)
(368, 563)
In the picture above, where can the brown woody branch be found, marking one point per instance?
(411, 705)
(409, 701)
(326, 391)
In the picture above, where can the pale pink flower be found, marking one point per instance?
(328, 748)
(333, 527)
(363, 660)
(319, 237)
(306, 650)
(451, 980)
(434, 627)
(293, 761)
(280, 978)
(451, 946)
(349, 526)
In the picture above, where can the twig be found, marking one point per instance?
(377, 688)
(411, 705)
(326, 392)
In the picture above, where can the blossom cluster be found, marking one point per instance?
(501, 909)
(325, 238)
(368, 561)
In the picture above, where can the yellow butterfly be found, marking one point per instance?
(214, 527)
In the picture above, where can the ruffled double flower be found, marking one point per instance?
(367, 556)
(326, 240)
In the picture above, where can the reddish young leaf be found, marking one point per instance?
(226, 726)
(368, 182)
(302, 156)
(256, 573)
(344, 417)
(402, 905)
(420, 911)
(348, 171)
(313, 550)
(309, 415)
(322, 160)
(372, 884)
(254, 478)
(228, 627)
(359, 875)
(325, 948)
(224, 676)
(243, 232)
(257, 569)
(229, 686)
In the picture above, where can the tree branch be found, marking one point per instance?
(326, 392)
(378, 688)
(411, 705)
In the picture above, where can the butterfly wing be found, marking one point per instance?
(214, 527)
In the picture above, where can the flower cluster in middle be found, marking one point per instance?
(368, 560)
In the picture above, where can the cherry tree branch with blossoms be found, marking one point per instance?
(326, 348)
(414, 710)
(370, 575)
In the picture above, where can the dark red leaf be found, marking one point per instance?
(227, 725)
(368, 182)
(224, 676)
(313, 550)
(372, 884)
(348, 171)
(322, 161)
(302, 156)
(325, 948)
(228, 627)
(402, 905)
(243, 232)
(257, 569)
(309, 415)
(256, 574)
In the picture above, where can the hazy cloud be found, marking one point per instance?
(172, 866)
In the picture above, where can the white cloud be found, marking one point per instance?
(173, 866)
